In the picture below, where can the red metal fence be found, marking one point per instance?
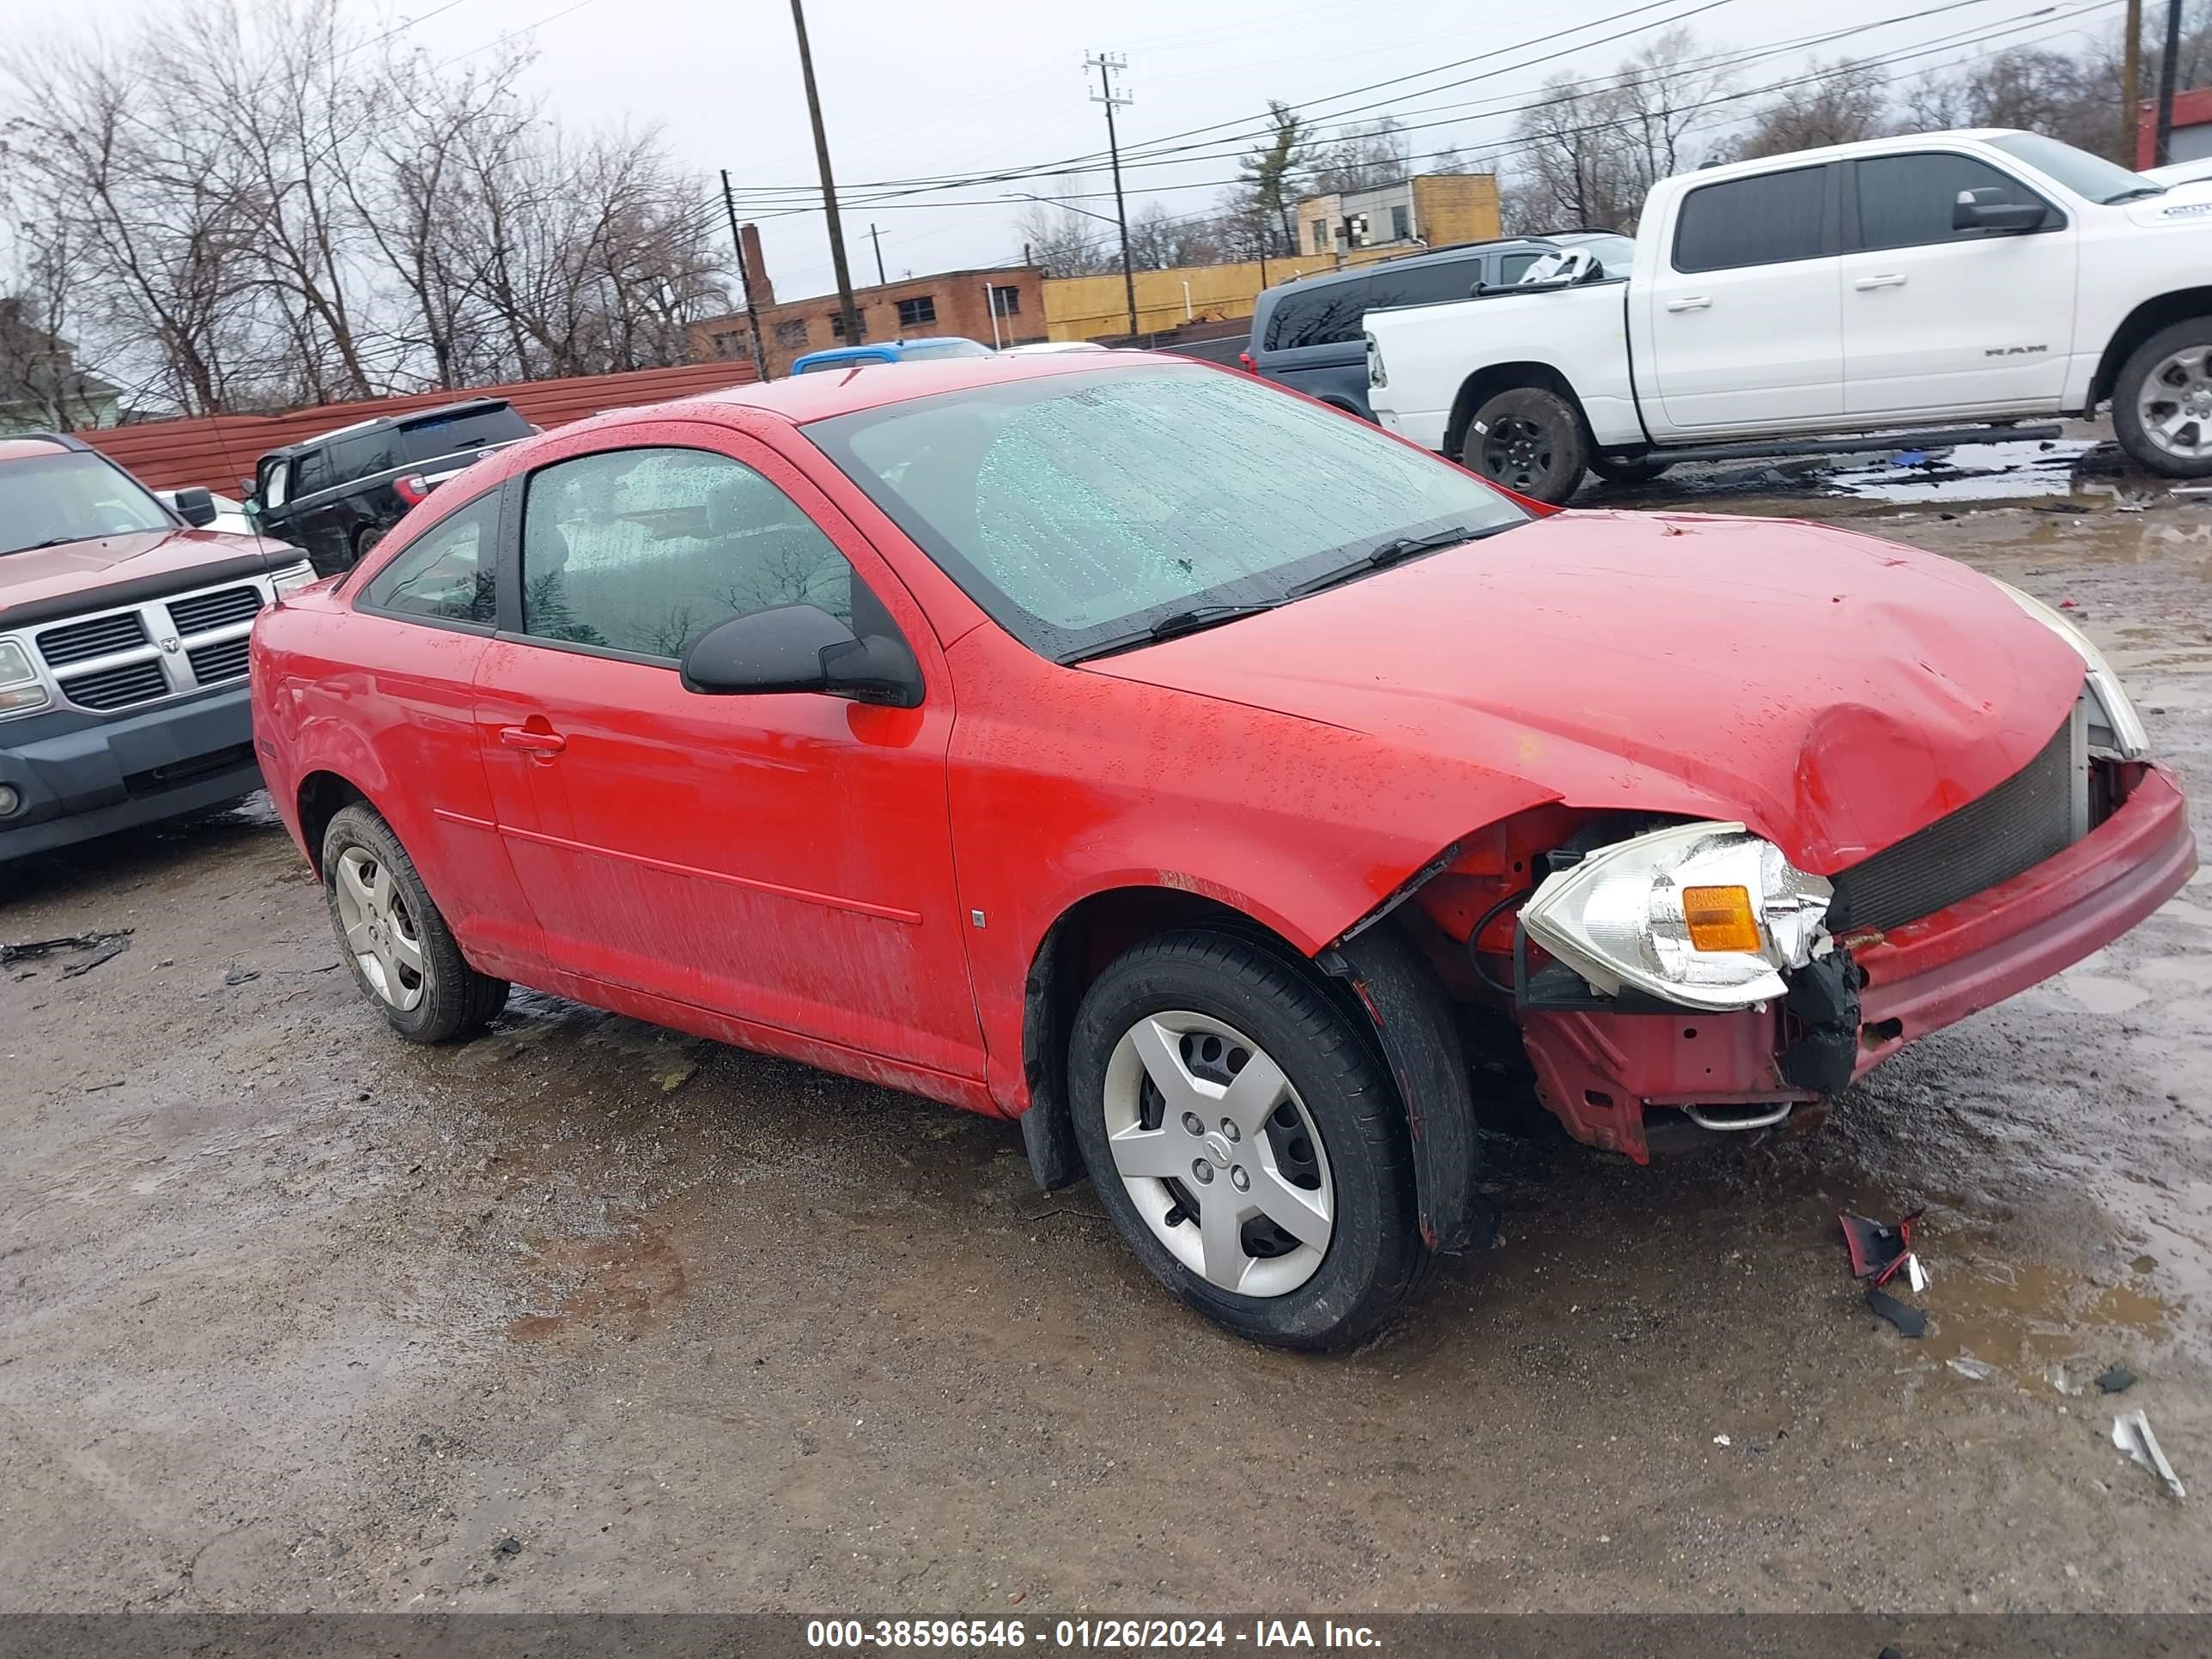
(217, 451)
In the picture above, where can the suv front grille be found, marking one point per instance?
(117, 687)
(225, 660)
(203, 612)
(2030, 816)
(81, 641)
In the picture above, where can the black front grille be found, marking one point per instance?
(2023, 821)
(117, 687)
(224, 661)
(205, 610)
(81, 641)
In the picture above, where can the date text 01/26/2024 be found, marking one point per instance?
(1123, 1635)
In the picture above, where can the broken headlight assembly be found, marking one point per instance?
(2120, 729)
(1697, 916)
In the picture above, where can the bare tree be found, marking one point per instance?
(1063, 242)
(1362, 156)
(1849, 101)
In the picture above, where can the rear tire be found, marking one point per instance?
(401, 953)
(1287, 1215)
(365, 544)
(2162, 401)
(1531, 441)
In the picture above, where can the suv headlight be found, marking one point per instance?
(1705, 915)
(21, 689)
(2121, 731)
(292, 578)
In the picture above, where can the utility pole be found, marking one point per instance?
(851, 314)
(744, 280)
(2165, 67)
(881, 280)
(1107, 64)
(2131, 85)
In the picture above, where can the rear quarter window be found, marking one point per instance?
(1770, 219)
(442, 434)
(1422, 285)
(1329, 313)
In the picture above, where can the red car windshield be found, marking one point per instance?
(71, 496)
(1076, 508)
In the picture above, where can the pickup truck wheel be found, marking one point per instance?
(2162, 402)
(1627, 473)
(1530, 441)
(402, 954)
(1245, 1141)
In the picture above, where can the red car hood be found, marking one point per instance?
(1832, 691)
(35, 577)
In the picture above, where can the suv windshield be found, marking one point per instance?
(71, 496)
(441, 435)
(2086, 175)
(1076, 508)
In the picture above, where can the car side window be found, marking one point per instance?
(1769, 219)
(1905, 201)
(1512, 267)
(643, 550)
(447, 574)
(1423, 284)
(363, 457)
(1328, 314)
(311, 472)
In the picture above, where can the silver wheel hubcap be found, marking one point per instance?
(2175, 404)
(1219, 1154)
(378, 929)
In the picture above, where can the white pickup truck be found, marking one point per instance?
(1895, 286)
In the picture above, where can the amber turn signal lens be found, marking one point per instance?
(1720, 918)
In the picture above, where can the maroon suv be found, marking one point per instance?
(123, 641)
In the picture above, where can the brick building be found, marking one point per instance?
(947, 302)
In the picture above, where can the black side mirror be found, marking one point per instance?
(801, 647)
(196, 506)
(1987, 210)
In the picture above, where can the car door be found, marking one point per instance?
(1939, 320)
(422, 623)
(316, 517)
(782, 858)
(1745, 316)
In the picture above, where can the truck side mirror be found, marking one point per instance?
(1987, 210)
(196, 506)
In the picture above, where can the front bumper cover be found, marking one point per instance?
(1600, 1070)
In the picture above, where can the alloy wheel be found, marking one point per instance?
(2175, 403)
(378, 931)
(1219, 1155)
(1517, 453)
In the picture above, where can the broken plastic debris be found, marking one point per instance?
(1915, 1275)
(2117, 1380)
(1721, 1440)
(2131, 1434)
(1877, 1250)
(1908, 1319)
(1966, 1365)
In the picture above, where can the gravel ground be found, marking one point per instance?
(584, 1315)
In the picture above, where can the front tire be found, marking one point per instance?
(2162, 401)
(402, 955)
(1531, 441)
(1245, 1141)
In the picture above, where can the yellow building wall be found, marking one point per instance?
(1088, 308)
(1456, 207)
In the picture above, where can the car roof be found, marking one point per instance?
(389, 423)
(1435, 255)
(26, 446)
(804, 398)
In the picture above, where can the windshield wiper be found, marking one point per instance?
(51, 541)
(1198, 617)
(1393, 552)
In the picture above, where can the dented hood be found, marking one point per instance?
(1832, 691)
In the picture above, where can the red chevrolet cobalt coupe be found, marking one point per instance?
(1203, 779)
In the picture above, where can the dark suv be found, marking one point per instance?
(337, 494)
(1307, 333)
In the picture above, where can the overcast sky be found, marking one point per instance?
(924, 88)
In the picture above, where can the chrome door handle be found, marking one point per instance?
(1698, 302)
(532, 742)
(1895, 279)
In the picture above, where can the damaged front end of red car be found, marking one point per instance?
(1789, 984)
